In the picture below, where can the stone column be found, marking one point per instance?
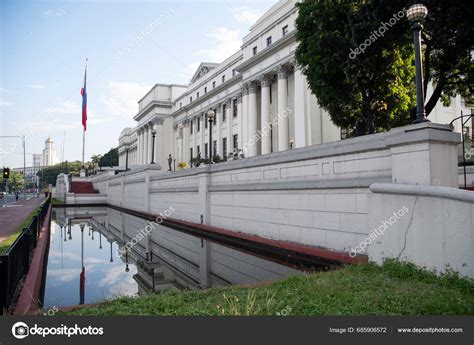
(142, 148)
(159, 145)
(239, 116)
(265, 83)
(202, 118)
(150, 141)
(229, 126)
(181, 143)
(145, 145)
(244, 120)
(186, 142)
(298, 111)
(283, 123)
(218, 125)
(252, 121)
(138, 138)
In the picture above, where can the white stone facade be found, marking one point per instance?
(261, 99)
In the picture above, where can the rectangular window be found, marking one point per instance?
(180, 105)
(190, 99)
(214, 148)
(198, 149)
(215, 117)
(224, 147)
(234, 102)
(233, 72)
(344, 133)
(191, 152)
(223, 79)
(254, 50)
(235, 142)
(284, 30)
(214, 84)
(269, 40)
(206, 150)
(191, 127)
(205, 121)
(224, 113)
(197, 95)
(205, 89)
(198, 124)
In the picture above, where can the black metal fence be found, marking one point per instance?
(15, 262)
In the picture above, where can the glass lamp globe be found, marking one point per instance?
(417, 12)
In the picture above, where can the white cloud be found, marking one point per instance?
(36, 86)
(66, 108)
(224, 43)
(245, 15)
(122, 98)
(54, 13)
(5, 104)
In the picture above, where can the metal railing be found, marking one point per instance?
(15, 262)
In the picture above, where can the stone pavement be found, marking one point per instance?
(13, 215)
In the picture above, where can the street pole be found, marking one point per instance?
(24, 167)
(416, 14)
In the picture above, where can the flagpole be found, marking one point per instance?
(84, 119)
(83, 145)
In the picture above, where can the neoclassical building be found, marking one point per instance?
(260, 97)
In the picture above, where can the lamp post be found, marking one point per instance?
(210, 116)
(153, 135)
(416, 14)
(127, 148)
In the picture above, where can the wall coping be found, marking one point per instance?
(423, 190)
(422, 132)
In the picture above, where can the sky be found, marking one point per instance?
(130, 46)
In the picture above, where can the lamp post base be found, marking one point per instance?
(420, 119)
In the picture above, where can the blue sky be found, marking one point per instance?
(131, 45)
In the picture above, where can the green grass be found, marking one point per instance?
(56, 202)
(14, 235)
(367, 289)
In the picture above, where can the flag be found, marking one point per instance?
(84, 101)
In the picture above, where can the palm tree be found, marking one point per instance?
(95, 160)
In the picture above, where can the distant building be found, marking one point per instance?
(47, 158)
(49, 153)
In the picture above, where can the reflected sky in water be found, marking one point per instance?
(166, 259)
(103, 278)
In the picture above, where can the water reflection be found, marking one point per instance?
(85, 264)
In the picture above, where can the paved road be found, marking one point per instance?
(13, 215)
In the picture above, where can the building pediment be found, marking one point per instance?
(203, 69)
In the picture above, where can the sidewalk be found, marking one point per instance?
(12, 216)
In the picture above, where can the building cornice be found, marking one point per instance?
(150, 106)
(265, 53)
(232, 81)
(209, 76)
(159, 84)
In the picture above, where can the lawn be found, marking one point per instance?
(366, 289)
(13, 236)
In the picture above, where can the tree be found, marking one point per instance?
(358, 57)
(110, 159)
(49, 174)
(96, 159)
(16, 181)
(448, 37)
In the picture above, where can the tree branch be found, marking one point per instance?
(435, 96)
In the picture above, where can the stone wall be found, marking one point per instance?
(314, 195)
